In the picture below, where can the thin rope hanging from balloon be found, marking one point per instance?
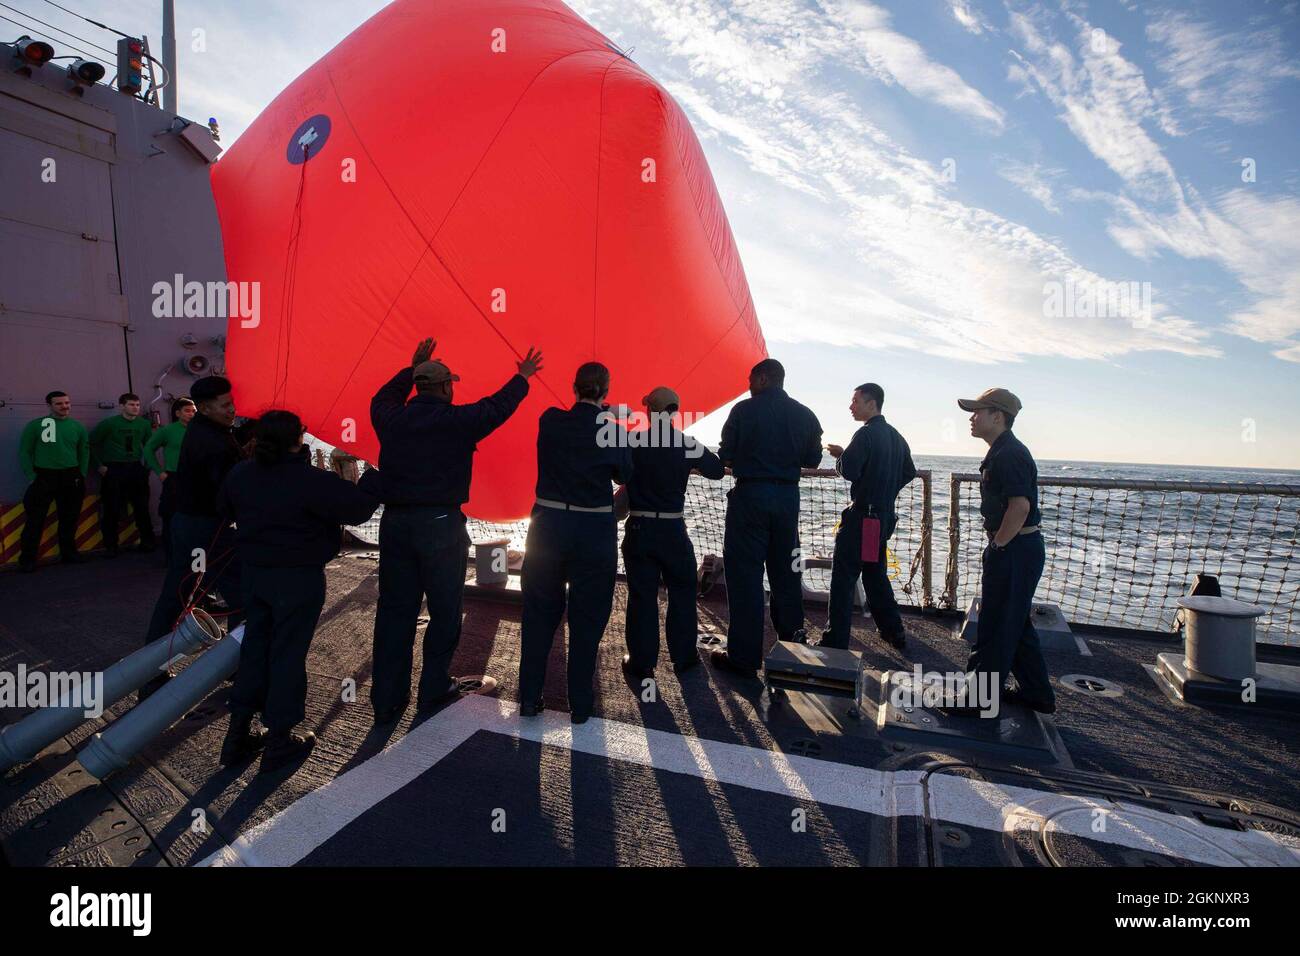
(285, 330)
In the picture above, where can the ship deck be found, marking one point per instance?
(714, 772)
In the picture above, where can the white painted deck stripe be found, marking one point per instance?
(306, 823)
(300, 828)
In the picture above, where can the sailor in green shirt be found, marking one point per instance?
(168, 440)
(54, 453)
(116, 450)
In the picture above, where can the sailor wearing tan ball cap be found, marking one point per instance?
(426, 464)
(1006, 641)
(656, 547)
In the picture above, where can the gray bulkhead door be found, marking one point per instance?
(62, 313)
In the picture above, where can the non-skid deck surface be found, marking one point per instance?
(708, 774)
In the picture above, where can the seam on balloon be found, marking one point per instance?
(595, 231)
(338, 99)
(428, 248)
(430, 240)
(749, 299)
(500, 129)
(699, 214)
(456, 279)
(375, 334)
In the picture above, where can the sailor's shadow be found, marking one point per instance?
(360, 599)
(256, 789)
(222, 830)
(476, 656)
(697, 836)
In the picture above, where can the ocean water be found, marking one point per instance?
(1114, 556)
(1126, 472)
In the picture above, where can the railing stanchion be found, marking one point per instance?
(927, 540)
(1119, 551)
(951, 582)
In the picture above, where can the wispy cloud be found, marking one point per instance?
(1033, 179)
(1105, 101)
(865, 29)
(1266, 257)
(1232, 74)
(911, 266)
(1102, 97)
(764, 45)
(968, 17)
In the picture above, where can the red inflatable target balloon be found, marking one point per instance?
(495, 175)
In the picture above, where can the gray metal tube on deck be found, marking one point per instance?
(24, 740)
(113, 749)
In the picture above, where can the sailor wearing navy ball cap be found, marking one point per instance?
(766, 440)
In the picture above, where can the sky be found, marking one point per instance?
(917, 187)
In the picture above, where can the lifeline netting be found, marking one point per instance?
(1119, 553)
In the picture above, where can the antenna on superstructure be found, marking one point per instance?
(132, 52)
(171, 92)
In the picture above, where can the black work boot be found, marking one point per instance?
(722, 661)
(242, 742)
(285, 748)
(634, 674)
(686, 666)
(830, 640)
(391, 714)
(895, 639)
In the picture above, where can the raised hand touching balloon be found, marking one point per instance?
(531, 364)
(423, 351)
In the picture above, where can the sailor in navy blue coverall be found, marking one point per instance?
(877, 464)
(426, 455)
(572, 541)
(208, 452)
(288, 518)
(656, 547)
(766, 440)
(1006, 642)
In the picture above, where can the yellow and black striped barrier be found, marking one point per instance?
(89, 535)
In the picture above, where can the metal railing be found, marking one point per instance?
(823, 496)
(1119, 552)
